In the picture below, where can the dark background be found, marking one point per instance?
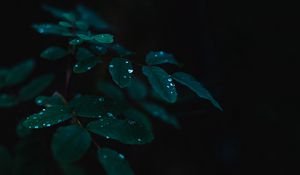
(245, 52)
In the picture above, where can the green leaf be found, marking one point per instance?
(82, 25)
(22, 131)
(54, 53)
(121, 71)
(55, 100)
(86, 61)
(114, 163)
(161, 83)
(100, 50)
(85, 37)
(5, 161)
(119, 49)
(195, 86)
(137, 90)
(125, 131)
(110, 90)
(19, 73)
(58, 13)
(7, 101)
(92, 18)
(160, 113)
(76, 41)
(104, 38)
(70, 143)
(160, 57)
(65, 24)
(138, 116)
(35, 87)
(95, 107)
(48, 117)
(52, 29)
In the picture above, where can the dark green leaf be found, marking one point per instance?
(161, 83)
(121, 71)
(5, 161)
(85, 37)
(95, 107)
(160, 113)
(82, 25)
(72, 169)
(35, 87)
(70, 143)
(119, 49)
(91, 18)
(104, 38)
(114, 163)
(54, 53)
(100, 50)
(136, 115)
(124, 131)
(110, 90)
(19, 73)
(55, 100)
(137, 90)
(65, 24)
(48, 117)
(52, 29)
(86, 61)
(58, 13)
(76, 41)
(154, 58)
(7, 101)
(22, 131)
(195, 86)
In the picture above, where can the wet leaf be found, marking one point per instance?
(121, 71)
(104, 38)
(136, 115)
(110, 90)
(70, 143)
(161, 83)
(160, 113)
(48, 117)
(160, 57)
(195, 86)
(95, 107)
(113, 162)
(54, 53)
(125, 131)
(85, 61)
(52, 29)
(55, 100)
(35, 87)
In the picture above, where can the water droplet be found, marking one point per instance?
(107, 137)
(41, 113)
(109, 114)
(34, 118)
(43, 109)
(76, 65)
(89, 68)
(126, 62)
(168, 86)
(111, 66)
(124, 76)
(170, 80)
(48, 125)
(155, 55)
(99, 116)
(161, 52)
(101, 99)
(131, 122)
(39, 101)
(36, 127)
(130, 71)
(121, 156)
(172, 84)
(139, 140)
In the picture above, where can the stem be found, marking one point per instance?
(68, 79)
